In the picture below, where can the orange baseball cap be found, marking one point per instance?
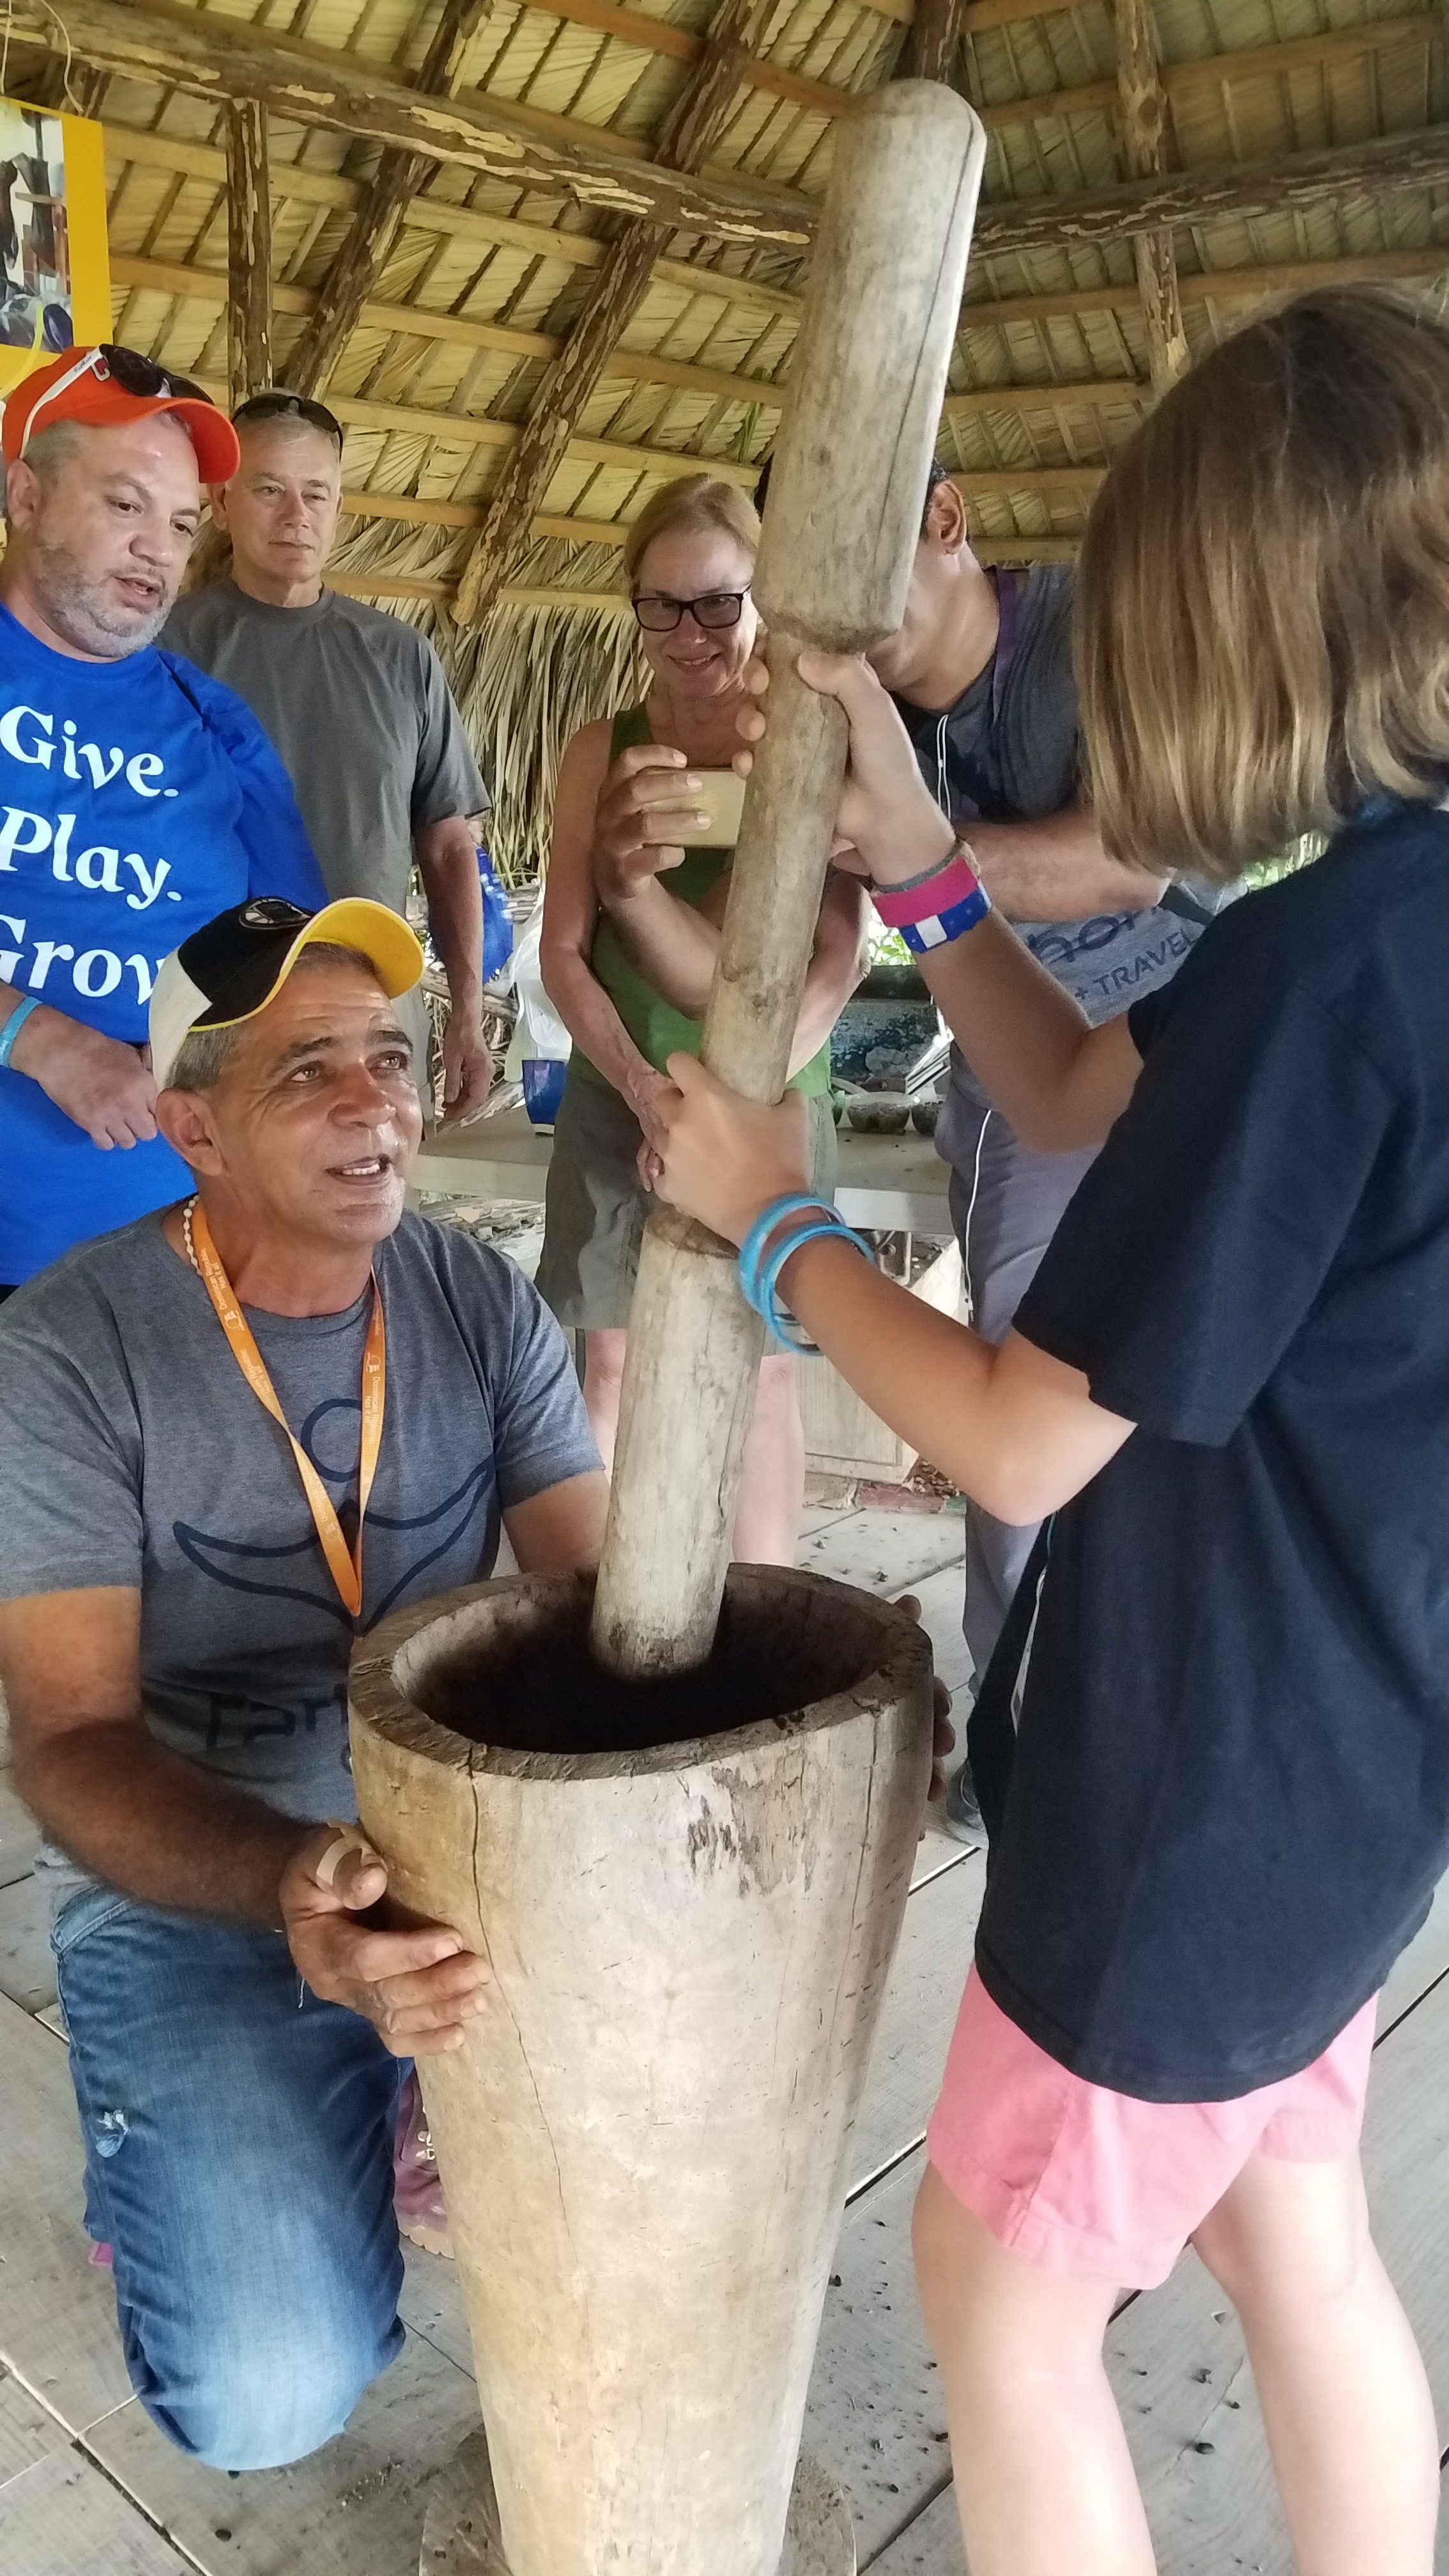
(104, 387)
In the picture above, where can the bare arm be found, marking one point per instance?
(161, 1829)
(570, 915)
(1015, 1428)
(561, 1530)
(1060, 1082)
(447, 857)
(100, 1083)
(1057, 870)
(140, 1817)
(669, 941)
(836, 966)
(678, 949)
(165, 1831)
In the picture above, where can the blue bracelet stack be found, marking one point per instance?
(765, 1251)
(11, 1028)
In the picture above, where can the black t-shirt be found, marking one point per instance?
(1229, 1801)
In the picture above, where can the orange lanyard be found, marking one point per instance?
(346, 1567)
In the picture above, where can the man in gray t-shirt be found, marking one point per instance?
(981, 671)
(176, 1618)
(354, 701)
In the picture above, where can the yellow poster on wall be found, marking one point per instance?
(55, 278)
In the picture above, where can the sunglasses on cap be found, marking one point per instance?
(278, 404)
(127, 368)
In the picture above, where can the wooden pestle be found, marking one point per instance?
(847, 486)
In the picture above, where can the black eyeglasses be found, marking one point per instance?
(659, 615)
(280, 405)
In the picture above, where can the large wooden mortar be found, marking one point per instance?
(690, 1892)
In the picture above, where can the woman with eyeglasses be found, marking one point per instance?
(631, 921)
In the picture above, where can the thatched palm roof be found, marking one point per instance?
(634, 187)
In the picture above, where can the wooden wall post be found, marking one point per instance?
(613, 299)
(846, 487)
(249, 251)
(1143, 119)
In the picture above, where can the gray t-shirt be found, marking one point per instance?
(358, 707)
(133, 1452)
(1009, 751)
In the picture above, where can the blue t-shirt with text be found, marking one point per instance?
(138, 798)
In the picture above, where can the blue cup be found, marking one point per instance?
(543, 1084)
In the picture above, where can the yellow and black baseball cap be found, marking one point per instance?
(230, 969)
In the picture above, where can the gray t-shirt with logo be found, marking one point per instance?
(358, 707)
(356, 704)
(133, 1452)
(1009, 750)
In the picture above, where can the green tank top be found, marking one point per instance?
(656, 1027)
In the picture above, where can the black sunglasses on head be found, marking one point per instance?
(137, 375)
(278, 404)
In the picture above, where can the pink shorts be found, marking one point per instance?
(1093, 2183)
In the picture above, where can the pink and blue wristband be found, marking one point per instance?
(935, 908)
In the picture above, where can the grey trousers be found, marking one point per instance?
(1005, 1205)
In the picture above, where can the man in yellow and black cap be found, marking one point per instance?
(232, 1436)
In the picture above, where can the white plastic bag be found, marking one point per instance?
(540, 1045)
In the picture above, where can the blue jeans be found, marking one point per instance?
(238, 2139)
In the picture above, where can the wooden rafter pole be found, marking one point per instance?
(618, 290)
(399, 177)
(249, 251)
(342, 95)
(1142, 117)
(345, 94)
(77, 92)
(932, 49)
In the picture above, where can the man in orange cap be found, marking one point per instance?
(138, 797)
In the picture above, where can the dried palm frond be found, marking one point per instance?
(525, 683)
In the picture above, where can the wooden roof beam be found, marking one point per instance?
(468, 429)
(249, 251)
(208, 285)
(65, 89)
(826, 98)
(1143, 120)
(1183, 198)
(344, 94)
(153, 44)
(364, 253)
(932, 50)
(689, 134)
(143, 148)
(1422, 161)
(1209, 286)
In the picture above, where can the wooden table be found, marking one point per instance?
(891, 1183)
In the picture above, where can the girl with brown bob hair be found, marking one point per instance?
(1224, 1806)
